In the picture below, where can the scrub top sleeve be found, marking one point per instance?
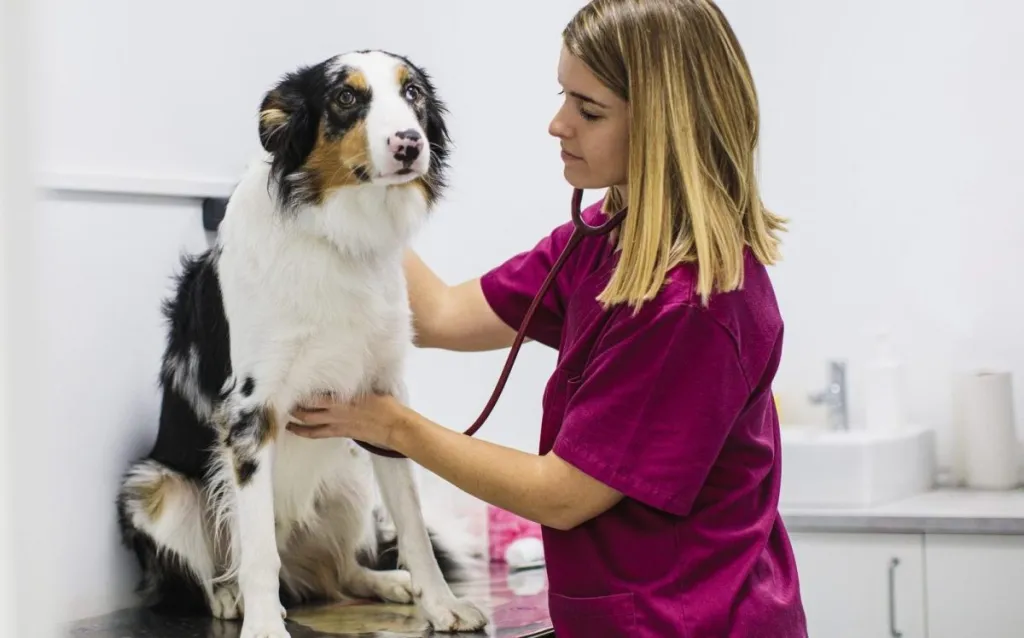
(652, 410)
(510, 288)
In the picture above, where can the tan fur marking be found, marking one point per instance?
(402, 75)
(335, 161)
(153, 496)
(153, 493)
(310, 567)
(273, 117)
(269, 433)
(357, 81)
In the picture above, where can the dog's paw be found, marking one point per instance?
(269, 626)
(392, 586)
(449, 614)
(226, 602)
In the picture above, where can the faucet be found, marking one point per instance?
(834, 396)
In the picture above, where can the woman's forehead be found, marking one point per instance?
(576, 78)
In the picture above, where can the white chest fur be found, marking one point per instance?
(317, 299)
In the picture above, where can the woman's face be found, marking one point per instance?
(593, 127)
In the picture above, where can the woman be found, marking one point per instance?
(657, 481)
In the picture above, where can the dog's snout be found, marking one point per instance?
(406, 145)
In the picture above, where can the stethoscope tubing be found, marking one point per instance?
(580, 230)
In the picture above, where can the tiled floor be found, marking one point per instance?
(516, 604)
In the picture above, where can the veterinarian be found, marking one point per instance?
(657, 482)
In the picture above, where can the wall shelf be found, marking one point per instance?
(188, 187)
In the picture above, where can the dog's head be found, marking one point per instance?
(361, 118)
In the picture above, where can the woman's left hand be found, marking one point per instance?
(371, 419)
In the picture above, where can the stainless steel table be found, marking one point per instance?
(515, 602)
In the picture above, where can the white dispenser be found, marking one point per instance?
(884, 388)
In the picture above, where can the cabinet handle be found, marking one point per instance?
(895, 633)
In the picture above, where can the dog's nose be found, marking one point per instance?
(406, 146)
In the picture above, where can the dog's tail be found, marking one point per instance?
(459, 553)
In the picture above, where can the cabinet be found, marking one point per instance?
(862, 585)
(975, 586)
(874, 585)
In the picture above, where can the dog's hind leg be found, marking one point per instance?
(249, 445)
(160, 513)
(330, 549)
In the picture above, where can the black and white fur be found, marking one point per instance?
(302, 294)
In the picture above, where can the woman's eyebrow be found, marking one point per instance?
(587, 98)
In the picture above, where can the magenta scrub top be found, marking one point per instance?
(673, 408)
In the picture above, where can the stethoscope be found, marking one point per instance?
(581, 230)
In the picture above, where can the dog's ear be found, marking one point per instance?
(288, 122)
(436, 129)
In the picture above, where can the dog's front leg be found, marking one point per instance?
(443, 610)
(259, 564)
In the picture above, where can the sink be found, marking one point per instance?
(854, 468)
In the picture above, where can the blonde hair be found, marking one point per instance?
(692, 190)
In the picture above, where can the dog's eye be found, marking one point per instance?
(412, 93)
(346, 97)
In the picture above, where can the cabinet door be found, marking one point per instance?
(975, 586)
(862, 585)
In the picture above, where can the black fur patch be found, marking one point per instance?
(197, 355)
(245, 469)
(248, 386)
(340, 117)
(246, 437)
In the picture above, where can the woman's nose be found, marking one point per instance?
(557, 128)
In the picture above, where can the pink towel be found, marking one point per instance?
(503, 528)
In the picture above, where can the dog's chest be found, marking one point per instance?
(360, 345)
(316, 323)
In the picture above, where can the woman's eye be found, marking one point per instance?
(590, 117)
(412, 93)
(346, 98)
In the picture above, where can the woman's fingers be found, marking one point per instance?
(311, 431)
(306, 418)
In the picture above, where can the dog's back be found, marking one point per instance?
(304, 293)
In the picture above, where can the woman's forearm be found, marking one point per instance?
(543, 489)
(505, 477)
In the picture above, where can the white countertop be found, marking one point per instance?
(944, 511)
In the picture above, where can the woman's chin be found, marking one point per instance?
(582, 179)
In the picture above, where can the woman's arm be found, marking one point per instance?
(543, 489)
(452, 317)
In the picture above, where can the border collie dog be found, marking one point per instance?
(303, 294)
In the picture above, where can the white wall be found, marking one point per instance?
(883, 123)
(26, 495)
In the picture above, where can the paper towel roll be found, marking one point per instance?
(989, 436)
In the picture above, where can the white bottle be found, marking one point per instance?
(884, 390)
